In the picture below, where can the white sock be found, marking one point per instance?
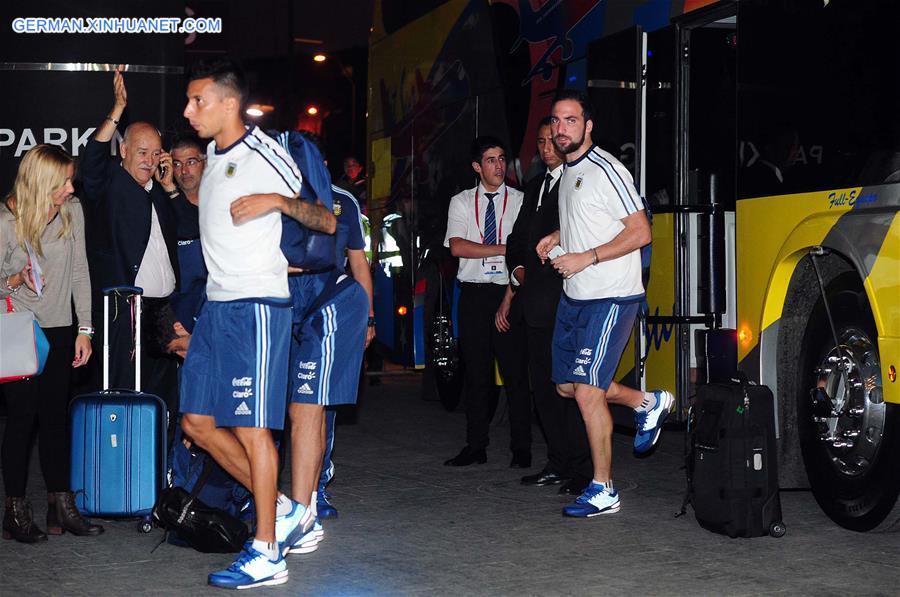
(314, 504)
(283, 505)
(648, 403)
(270, 550)
(606, 484)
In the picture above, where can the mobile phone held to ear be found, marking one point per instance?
(162, 170)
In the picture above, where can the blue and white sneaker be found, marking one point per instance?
(251, 569)
(595, 500)
(326, 510)
(292, 526)
(309, 542)
(649, 423)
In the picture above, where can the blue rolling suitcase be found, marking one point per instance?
(118, 440)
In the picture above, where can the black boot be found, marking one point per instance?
(63, 515)
(18, 522)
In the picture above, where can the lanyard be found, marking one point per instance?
(499, 222)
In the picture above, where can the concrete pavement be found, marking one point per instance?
(410, 526)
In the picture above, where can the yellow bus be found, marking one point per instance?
(765, 136)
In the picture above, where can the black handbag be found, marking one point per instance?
(206, 529)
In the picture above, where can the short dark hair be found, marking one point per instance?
(545, 121)
(185, 140)
(579, 96)
(482, 144)
(224, 72)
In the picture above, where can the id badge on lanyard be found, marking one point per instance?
(495, 265)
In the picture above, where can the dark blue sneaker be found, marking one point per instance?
(324, 507)
(596, 499)
(251, 569)
(649, 423)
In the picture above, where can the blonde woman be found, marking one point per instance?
(40, 215)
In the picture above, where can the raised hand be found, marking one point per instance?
(119, 92)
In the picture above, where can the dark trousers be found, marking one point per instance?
(40, 403)
(480, 343)
(159, 373)
(568, 453)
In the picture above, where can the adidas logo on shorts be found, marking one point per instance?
(242, 409)
(304, 389)
(579, 370)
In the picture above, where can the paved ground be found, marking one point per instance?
(409, 526)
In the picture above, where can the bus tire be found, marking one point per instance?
(850, 440)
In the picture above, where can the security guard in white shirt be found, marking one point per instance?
(478, 222)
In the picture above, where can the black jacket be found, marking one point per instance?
(538, 297)
(117, 219)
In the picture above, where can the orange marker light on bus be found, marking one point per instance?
(401, 310)
(892, 374)
(745, 335)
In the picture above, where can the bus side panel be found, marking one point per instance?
(661, 340)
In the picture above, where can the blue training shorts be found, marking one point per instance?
(589, 338)
(327, 346)
(237, 364)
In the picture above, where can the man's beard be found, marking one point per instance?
(572, 147)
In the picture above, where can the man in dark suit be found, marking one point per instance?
(131, 233)
(538, 287)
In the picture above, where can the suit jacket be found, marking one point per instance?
(538, 297)
(117, 219)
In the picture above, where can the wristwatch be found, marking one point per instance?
(371, 322)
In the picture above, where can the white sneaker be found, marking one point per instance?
(309, 542)
(292, 526)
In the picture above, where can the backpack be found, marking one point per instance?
(221, 505)
(731, 461)
(302, 247)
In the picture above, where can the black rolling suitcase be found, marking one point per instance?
(732, 462)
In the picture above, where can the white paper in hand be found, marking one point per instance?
(36, 273)
(555, 252)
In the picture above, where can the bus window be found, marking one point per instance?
(819, 96)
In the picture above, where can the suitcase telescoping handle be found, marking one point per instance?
(126, 290)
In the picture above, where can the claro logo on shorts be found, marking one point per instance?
(242, 382)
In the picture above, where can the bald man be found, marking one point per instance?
(132, 239)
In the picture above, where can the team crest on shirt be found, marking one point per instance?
(230, 169)
(578, 182)
(337, 207)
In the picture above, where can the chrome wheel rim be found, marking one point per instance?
(852, 427)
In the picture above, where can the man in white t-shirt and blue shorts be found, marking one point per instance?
(597, 251)
(234, 381)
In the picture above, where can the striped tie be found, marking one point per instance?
(490, 221)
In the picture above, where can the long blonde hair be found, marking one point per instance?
(43, 171)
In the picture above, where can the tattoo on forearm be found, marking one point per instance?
(314, 217)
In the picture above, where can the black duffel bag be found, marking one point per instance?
(206, 529)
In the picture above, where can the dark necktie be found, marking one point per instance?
(548, 182)
(490, 221)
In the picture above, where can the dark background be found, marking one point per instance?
(274, 40)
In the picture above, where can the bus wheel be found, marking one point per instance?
(849, 437)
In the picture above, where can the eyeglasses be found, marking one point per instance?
(190, 162)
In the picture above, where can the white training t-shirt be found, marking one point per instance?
(462, 223)
(245, 261)
(596, 191)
